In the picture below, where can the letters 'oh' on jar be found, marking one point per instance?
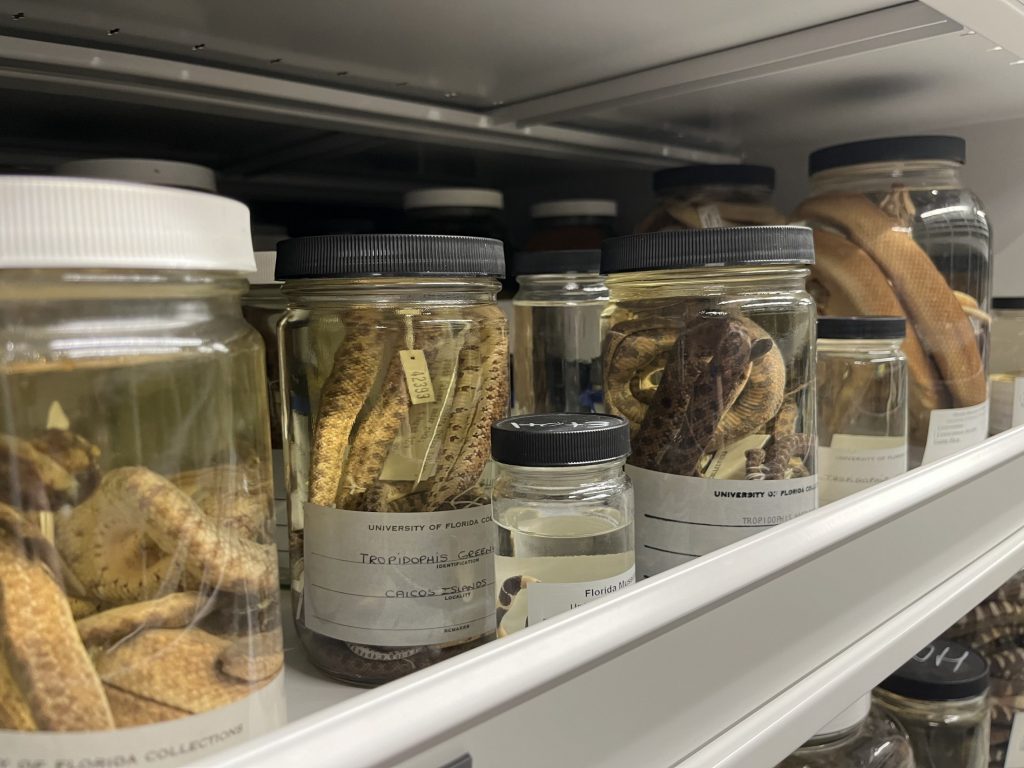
(137, 564)
(395, 358)
(709, 354)
(706, 196)
(897, 233)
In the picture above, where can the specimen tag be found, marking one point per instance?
(417, 376)
(709, 216)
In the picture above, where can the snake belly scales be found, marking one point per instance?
(690, 388)
(363, 404)
(125, 613)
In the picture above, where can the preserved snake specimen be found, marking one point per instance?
(152, 571)
(691, 387)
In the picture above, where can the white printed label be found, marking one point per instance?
(951, 430)
(399, 578)
(545, 600)
(1015, 748)
(856, 462)
(680, 518)
(176, 742)
(1007, 403)
(709, 216)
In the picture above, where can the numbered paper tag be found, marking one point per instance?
(417, 376)
(709, 216)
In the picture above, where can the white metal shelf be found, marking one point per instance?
(731, 660)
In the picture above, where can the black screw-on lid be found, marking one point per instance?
(887, 150)
(719, 247)
(1008, 302)
(942, 671)
(559, 439)
(555, 262)
(862, 327)
(699, 175)
(326, 256)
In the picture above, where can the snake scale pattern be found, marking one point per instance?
(125, 598)
(365, 411)
(690, 386)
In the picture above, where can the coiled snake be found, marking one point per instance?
(692, 387)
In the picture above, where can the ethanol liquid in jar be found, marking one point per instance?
(557, 337)
(563, 510)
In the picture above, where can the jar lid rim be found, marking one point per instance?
(888, 149)
(559, 439)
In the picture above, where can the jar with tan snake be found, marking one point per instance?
(395, 356)
(138, 577)
(705, 196)
(897, 233)
(709, 354)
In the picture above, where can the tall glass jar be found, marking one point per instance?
(941, 697)
(137, 564)
(709, 354)
(860, 737)
(862, 403)
(263, 307)
(395, 358)
(561, 225)
(899, 234)
(557, 339)
(563, 508)
(1007, 364)
(705, 196)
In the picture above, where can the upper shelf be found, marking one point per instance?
(730, 661)
(664, 83)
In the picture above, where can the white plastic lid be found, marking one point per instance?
(553, 209)
(51, 222)
(266, 261)
(165, 173)
(848, 718)
(454, 197)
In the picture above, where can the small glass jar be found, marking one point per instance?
(898, 233)
(860, 737)
(709, 354)
(862, 403)
(557, 338)
(563, 508)
(992, 629)
(1007, 364)
(940, 697)
(137, 564)
(263, 307)
(395, 358)
(705, 196)
(562, 225)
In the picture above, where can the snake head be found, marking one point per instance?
(760, 348)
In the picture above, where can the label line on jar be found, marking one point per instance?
(415, 597)
(670, 551)
(708, 525)
(401, 629)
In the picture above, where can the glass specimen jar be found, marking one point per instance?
(1007, 364)
(898, 233)
(557, 339)
(705, 196)
(709, 354)
(940, 697)
(860, 737)
(862, 403)
(396, 365)
(263, 307)
(561, 225)
(137, 564)
(164, 173)
(563, 508)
